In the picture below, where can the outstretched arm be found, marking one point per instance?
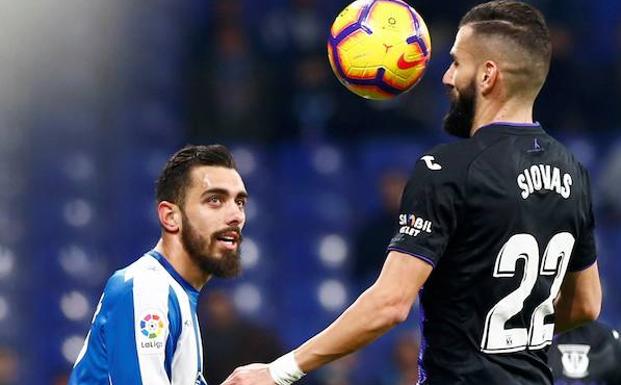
(382, 306)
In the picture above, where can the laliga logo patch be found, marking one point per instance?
(151, 325)
(151, 328)
(575, 360)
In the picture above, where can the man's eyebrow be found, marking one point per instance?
(242, 194)
(223, 191)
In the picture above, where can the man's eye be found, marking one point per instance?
(241, 203)
(213, 199)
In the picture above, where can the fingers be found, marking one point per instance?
(253, 374)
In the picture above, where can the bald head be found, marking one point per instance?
(515, 36)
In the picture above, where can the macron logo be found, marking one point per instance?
(429, 161)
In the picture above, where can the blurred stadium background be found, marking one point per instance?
(95, 95)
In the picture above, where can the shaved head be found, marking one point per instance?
(515, 36)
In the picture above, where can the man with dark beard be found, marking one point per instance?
(145, 329)
(498, 227)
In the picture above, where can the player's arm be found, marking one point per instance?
(385, 304)
(579, 300)
(382, 306)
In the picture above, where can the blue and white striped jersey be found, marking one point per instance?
(144, 331)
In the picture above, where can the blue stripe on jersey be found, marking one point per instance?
(119, 335)
(175, 327)
(111, 346)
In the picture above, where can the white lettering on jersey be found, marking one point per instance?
(429, 161)
(544, 177)
(412, 225)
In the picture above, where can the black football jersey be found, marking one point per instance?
(501, 217)
(588, 355)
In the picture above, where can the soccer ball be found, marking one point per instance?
(379, 49)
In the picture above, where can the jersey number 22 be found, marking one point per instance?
(496, 337)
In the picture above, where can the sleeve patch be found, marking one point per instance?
(412, 225)
(151, 327)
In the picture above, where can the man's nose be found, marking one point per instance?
(447, 79)
(236, 216)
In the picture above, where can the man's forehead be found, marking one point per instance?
(208, 177)
(463, 41)
(482, 46)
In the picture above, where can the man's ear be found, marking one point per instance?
(169, 216)
(489, 77)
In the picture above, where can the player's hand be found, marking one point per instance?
(253, 374)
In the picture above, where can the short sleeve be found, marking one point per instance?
(120, 342)
(584, 253)
(137, 334)
(430, 207)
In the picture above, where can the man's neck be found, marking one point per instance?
(175, 254)
(507, 112)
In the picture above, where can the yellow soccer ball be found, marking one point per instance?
(379, 49)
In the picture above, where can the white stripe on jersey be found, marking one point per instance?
(150, 292)
(184, 364)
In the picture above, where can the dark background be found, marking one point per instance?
(95, 95)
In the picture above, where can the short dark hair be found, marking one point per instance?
(175, 177)
(520, 22)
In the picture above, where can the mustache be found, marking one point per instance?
(451, 93)
(235, 229)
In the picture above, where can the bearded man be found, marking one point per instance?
(145, 329)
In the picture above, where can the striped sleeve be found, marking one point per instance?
(138, 331)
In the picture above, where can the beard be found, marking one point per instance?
(458, 120)
(202, 251)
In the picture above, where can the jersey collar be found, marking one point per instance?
(511, 127)
(171, 270)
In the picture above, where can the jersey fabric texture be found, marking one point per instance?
(144, 331)
(501, 217)
(588, 355)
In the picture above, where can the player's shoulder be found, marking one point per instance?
(449, 160)
(459, 151)
(569, 156)
(145, 274)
